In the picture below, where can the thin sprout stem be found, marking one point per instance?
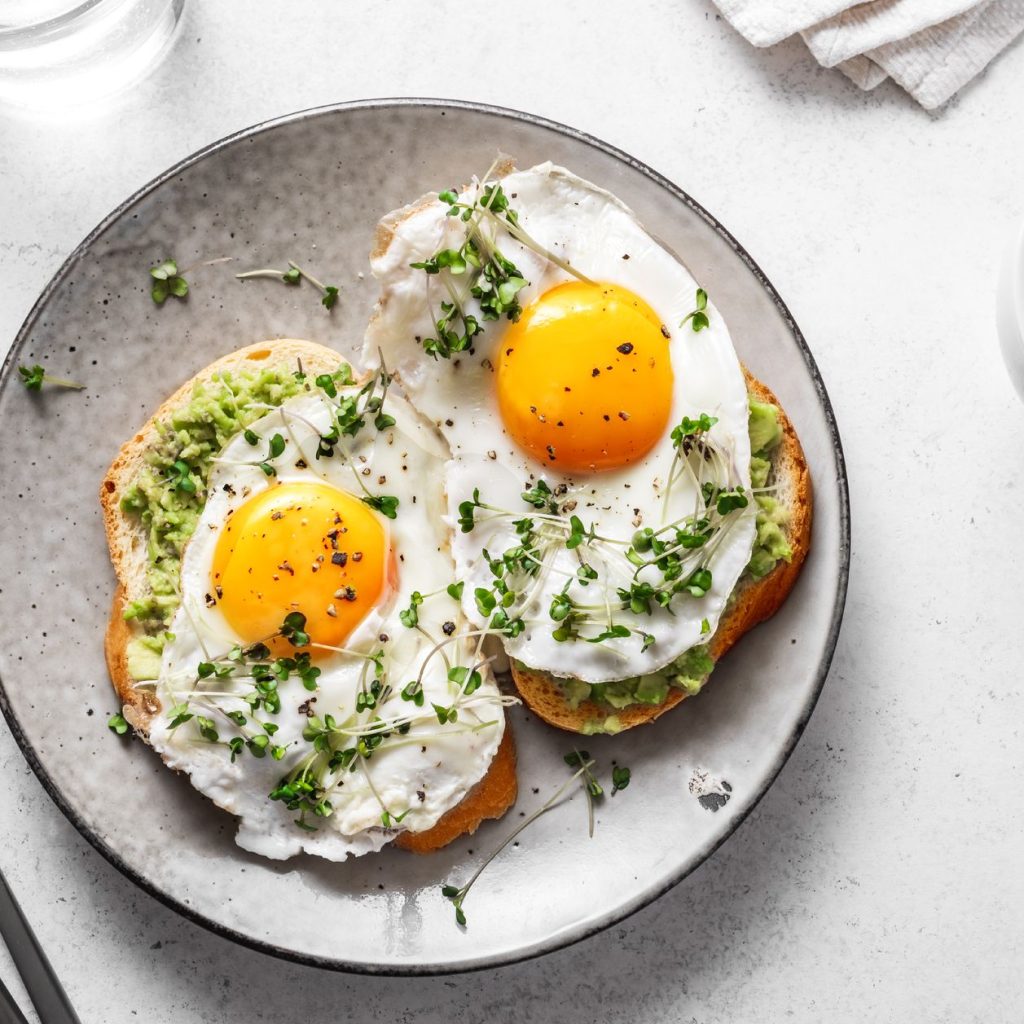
(308, 276)
(520, 234)
(443, 643)
(373, 788)
(205, 263)
(543, 517)
(63, 382)
(285, 420)
(262, 272)
(433, 640)
(341, 650)
(548, 804)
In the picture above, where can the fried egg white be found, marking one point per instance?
(303, 540)
(582, 392)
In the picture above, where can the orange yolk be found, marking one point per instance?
(304, 547)
(584, 377)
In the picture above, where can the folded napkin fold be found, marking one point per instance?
(866, 26)
(764, 22)
(934, 64)
(931, 48)
(863, 71)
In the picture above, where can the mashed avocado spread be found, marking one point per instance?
(770, 544)
(168, 501)
(690, 671)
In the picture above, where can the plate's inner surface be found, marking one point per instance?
(311, 189)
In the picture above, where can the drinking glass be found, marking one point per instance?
(66, 53)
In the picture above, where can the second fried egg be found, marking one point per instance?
(580, 405)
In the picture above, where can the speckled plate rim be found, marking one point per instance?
(571, 936)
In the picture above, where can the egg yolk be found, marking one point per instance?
(299, 547)
(584, 377)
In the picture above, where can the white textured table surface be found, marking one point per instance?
(881, 877)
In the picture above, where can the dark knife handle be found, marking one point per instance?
(10, 1012)
(45, 991)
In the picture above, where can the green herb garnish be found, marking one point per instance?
(167, 281)
(293, 276)
(385, 504)
(477, 269)
(34, 377)
(293, 629)
(698, 318)
(180, 474)
(457, 894)
(117, 724)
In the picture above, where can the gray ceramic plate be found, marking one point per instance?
(311, 187)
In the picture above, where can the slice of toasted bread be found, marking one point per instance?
(754, 600)
(127, 539)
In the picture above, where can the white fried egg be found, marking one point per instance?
(344, 731)
(578, 397)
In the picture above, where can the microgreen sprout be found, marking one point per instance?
(687, 432)
(385, 504)
(180, 474)
(410, 617)
(457, 894)
(491, 279)
(117, 723)
(349, 414)
(340, 746)
(468, 680)
(266, 675)
(591, 787)
(620, 778)
(293, 276)
(277, 444)
(698, 317)
(167, 280)
(293, 629)
(34, 377)
(540, 496)
(681, 550)
(578, 533)
(611, 633)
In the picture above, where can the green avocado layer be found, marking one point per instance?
(194, 435)
(770, 544)
(690, 671)
(144, 656)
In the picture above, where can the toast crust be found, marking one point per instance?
(489, 798)
(139, 705)
(755, 600)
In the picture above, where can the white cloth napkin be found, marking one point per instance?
(931, 48)
(764, 22)
(866, 26)
(863, 71)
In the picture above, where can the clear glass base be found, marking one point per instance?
(68, 53)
